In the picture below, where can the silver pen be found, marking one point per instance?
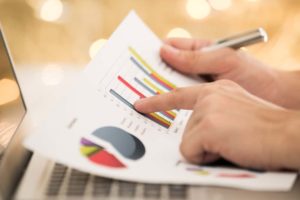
(240, 40)
(235, 42)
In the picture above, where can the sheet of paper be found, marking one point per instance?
(95, 129)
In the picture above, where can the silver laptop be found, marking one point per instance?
(27, 175)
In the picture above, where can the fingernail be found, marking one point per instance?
(138, 103)
(171, 50)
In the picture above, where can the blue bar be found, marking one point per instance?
(141, 68)
(144, 86)
(139, 65)
(121, 98)
(132, 107)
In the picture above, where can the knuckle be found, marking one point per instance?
(209, 100)
(208, 122)
(207, 88)
(186, 150)
(176, 96)
(191, 60)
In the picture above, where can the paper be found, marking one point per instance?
(96, 129)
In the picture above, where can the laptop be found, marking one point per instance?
(27, 175)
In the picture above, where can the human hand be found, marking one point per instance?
(229, 122)
(185, 56)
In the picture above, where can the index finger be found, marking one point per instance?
(179, 98)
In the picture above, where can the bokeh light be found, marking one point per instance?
(178, 32)
(198, 9)
(51, 10)
(220, 4)
(96, 46)
(52, 74)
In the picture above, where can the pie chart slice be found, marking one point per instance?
(99, 155)
(125, 143)
(106, 159)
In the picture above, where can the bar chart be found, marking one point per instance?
(134, 78)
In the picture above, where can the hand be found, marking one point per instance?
(229, 122)
(275, 86)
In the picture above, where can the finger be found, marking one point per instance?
(180, 98)
(191, 149)
(194, 119)
(197, 62)
(210, 158)
(187, 43)
(195, 147)
(208, 99)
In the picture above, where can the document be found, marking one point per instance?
(96, 129)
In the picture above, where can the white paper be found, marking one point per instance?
(92, 108)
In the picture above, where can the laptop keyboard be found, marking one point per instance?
(67, 182)
(56, 180)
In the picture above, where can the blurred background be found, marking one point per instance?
(69, 32)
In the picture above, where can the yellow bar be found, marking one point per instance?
(154, 87)
(140, 59)
(164, 80)
(171, 113)
(160, 118)
(149, 67)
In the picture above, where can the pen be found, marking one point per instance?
(240, 40)
(236, 42)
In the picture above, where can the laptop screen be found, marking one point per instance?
(12, 107)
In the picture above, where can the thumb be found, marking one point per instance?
(198, 62)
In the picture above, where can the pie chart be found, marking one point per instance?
(99, 155)
(125, 143)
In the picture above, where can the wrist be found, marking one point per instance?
(287, 146)
(288, 84)
(257, 78)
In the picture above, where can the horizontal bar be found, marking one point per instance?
(128, 85)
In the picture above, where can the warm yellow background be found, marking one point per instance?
(67, 38)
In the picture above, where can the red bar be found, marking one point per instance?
(161, 82)
(241, 175)
(131, 87)
(168, 114)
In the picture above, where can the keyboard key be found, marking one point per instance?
(178, 191)
(56, 179)
(101, 186)
(126, 189)
(152, 190)
(77, 183)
